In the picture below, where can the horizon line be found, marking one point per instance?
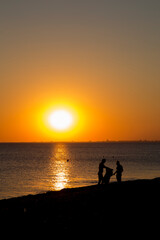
(90, 141)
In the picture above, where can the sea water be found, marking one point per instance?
(31, 168)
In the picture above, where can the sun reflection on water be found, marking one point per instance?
(60, 167)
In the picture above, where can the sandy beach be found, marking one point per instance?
(131, 204)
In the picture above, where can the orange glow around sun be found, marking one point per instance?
(59, 121)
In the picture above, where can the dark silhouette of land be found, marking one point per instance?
(129, 208)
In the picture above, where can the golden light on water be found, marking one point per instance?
(61, 181)
(60, 168)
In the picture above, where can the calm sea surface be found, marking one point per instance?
(30, 168)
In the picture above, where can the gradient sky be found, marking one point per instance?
(98, 58)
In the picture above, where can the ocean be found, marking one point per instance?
(32, 168)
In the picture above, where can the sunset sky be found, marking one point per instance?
(99, 60)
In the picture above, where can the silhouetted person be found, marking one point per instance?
(108, 175)
(100, 172)
(118, 172)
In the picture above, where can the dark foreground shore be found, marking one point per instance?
(131, 206)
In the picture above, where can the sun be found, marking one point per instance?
(60, 119)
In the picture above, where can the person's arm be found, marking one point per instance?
(115, 172)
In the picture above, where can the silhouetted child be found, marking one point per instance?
(118, 172)
(108, 175)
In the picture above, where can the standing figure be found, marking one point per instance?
(118, 172)
(100, 172)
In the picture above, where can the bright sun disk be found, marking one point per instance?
(60, 120)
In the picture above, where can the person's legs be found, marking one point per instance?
(100, 176)
(119, 178)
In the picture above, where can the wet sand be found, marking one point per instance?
(131, 206)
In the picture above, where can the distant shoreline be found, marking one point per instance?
(120, 141)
